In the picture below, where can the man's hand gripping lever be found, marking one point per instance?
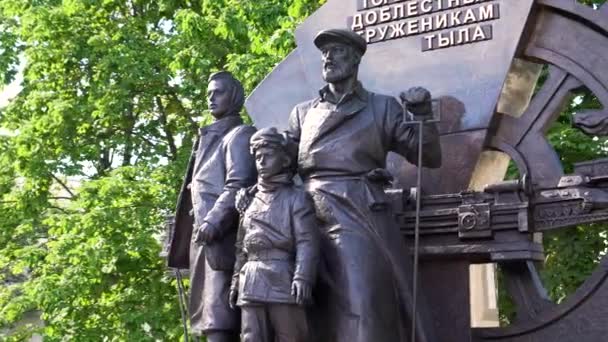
(417, 107)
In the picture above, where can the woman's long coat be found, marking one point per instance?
(221, 164)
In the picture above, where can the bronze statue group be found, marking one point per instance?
(323, 260)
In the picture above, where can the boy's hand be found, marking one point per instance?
(302, 291)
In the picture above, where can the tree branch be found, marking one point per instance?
(182, 110)
(166, 128)
(104, 163)
(63, 185)
(61, 198)
(59, 208)
(128, 154)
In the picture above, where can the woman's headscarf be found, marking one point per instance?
(237, 93)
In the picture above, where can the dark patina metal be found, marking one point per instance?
(277, 248)
(459, 227)
(206, 220)
(343, 137)
(464, 228)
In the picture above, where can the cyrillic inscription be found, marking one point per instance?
(457, 37)
(381, 20)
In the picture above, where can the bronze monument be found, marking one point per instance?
(207, 220)
(481, 59)
(343, 138)
(277, 248)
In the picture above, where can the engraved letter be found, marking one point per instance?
(426, 6)
(429, 43)
(397, 30)
(412, 27)
(383, 31)
(426, 24)
(486, 12)
(357, 23)
(412, 8)
(443, 41)
(453, 3)
(479, 34)
(469, 17)
(371, 33)
(441, 21)
(463, 36)
(399, 11)
(455, 18)
(385, 14)
(371, 18)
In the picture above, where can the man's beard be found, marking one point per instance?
(338, 73)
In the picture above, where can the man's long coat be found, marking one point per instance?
(365, 293)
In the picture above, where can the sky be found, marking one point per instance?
(10, 91)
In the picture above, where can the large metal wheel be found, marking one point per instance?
(572, 39)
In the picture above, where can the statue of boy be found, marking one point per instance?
(277, 248)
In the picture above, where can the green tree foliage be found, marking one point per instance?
(94, 147)
(573, 254)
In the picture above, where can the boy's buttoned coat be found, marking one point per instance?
(277, 243)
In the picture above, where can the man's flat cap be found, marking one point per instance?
(343, 36)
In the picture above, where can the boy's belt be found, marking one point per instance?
(270, 254)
